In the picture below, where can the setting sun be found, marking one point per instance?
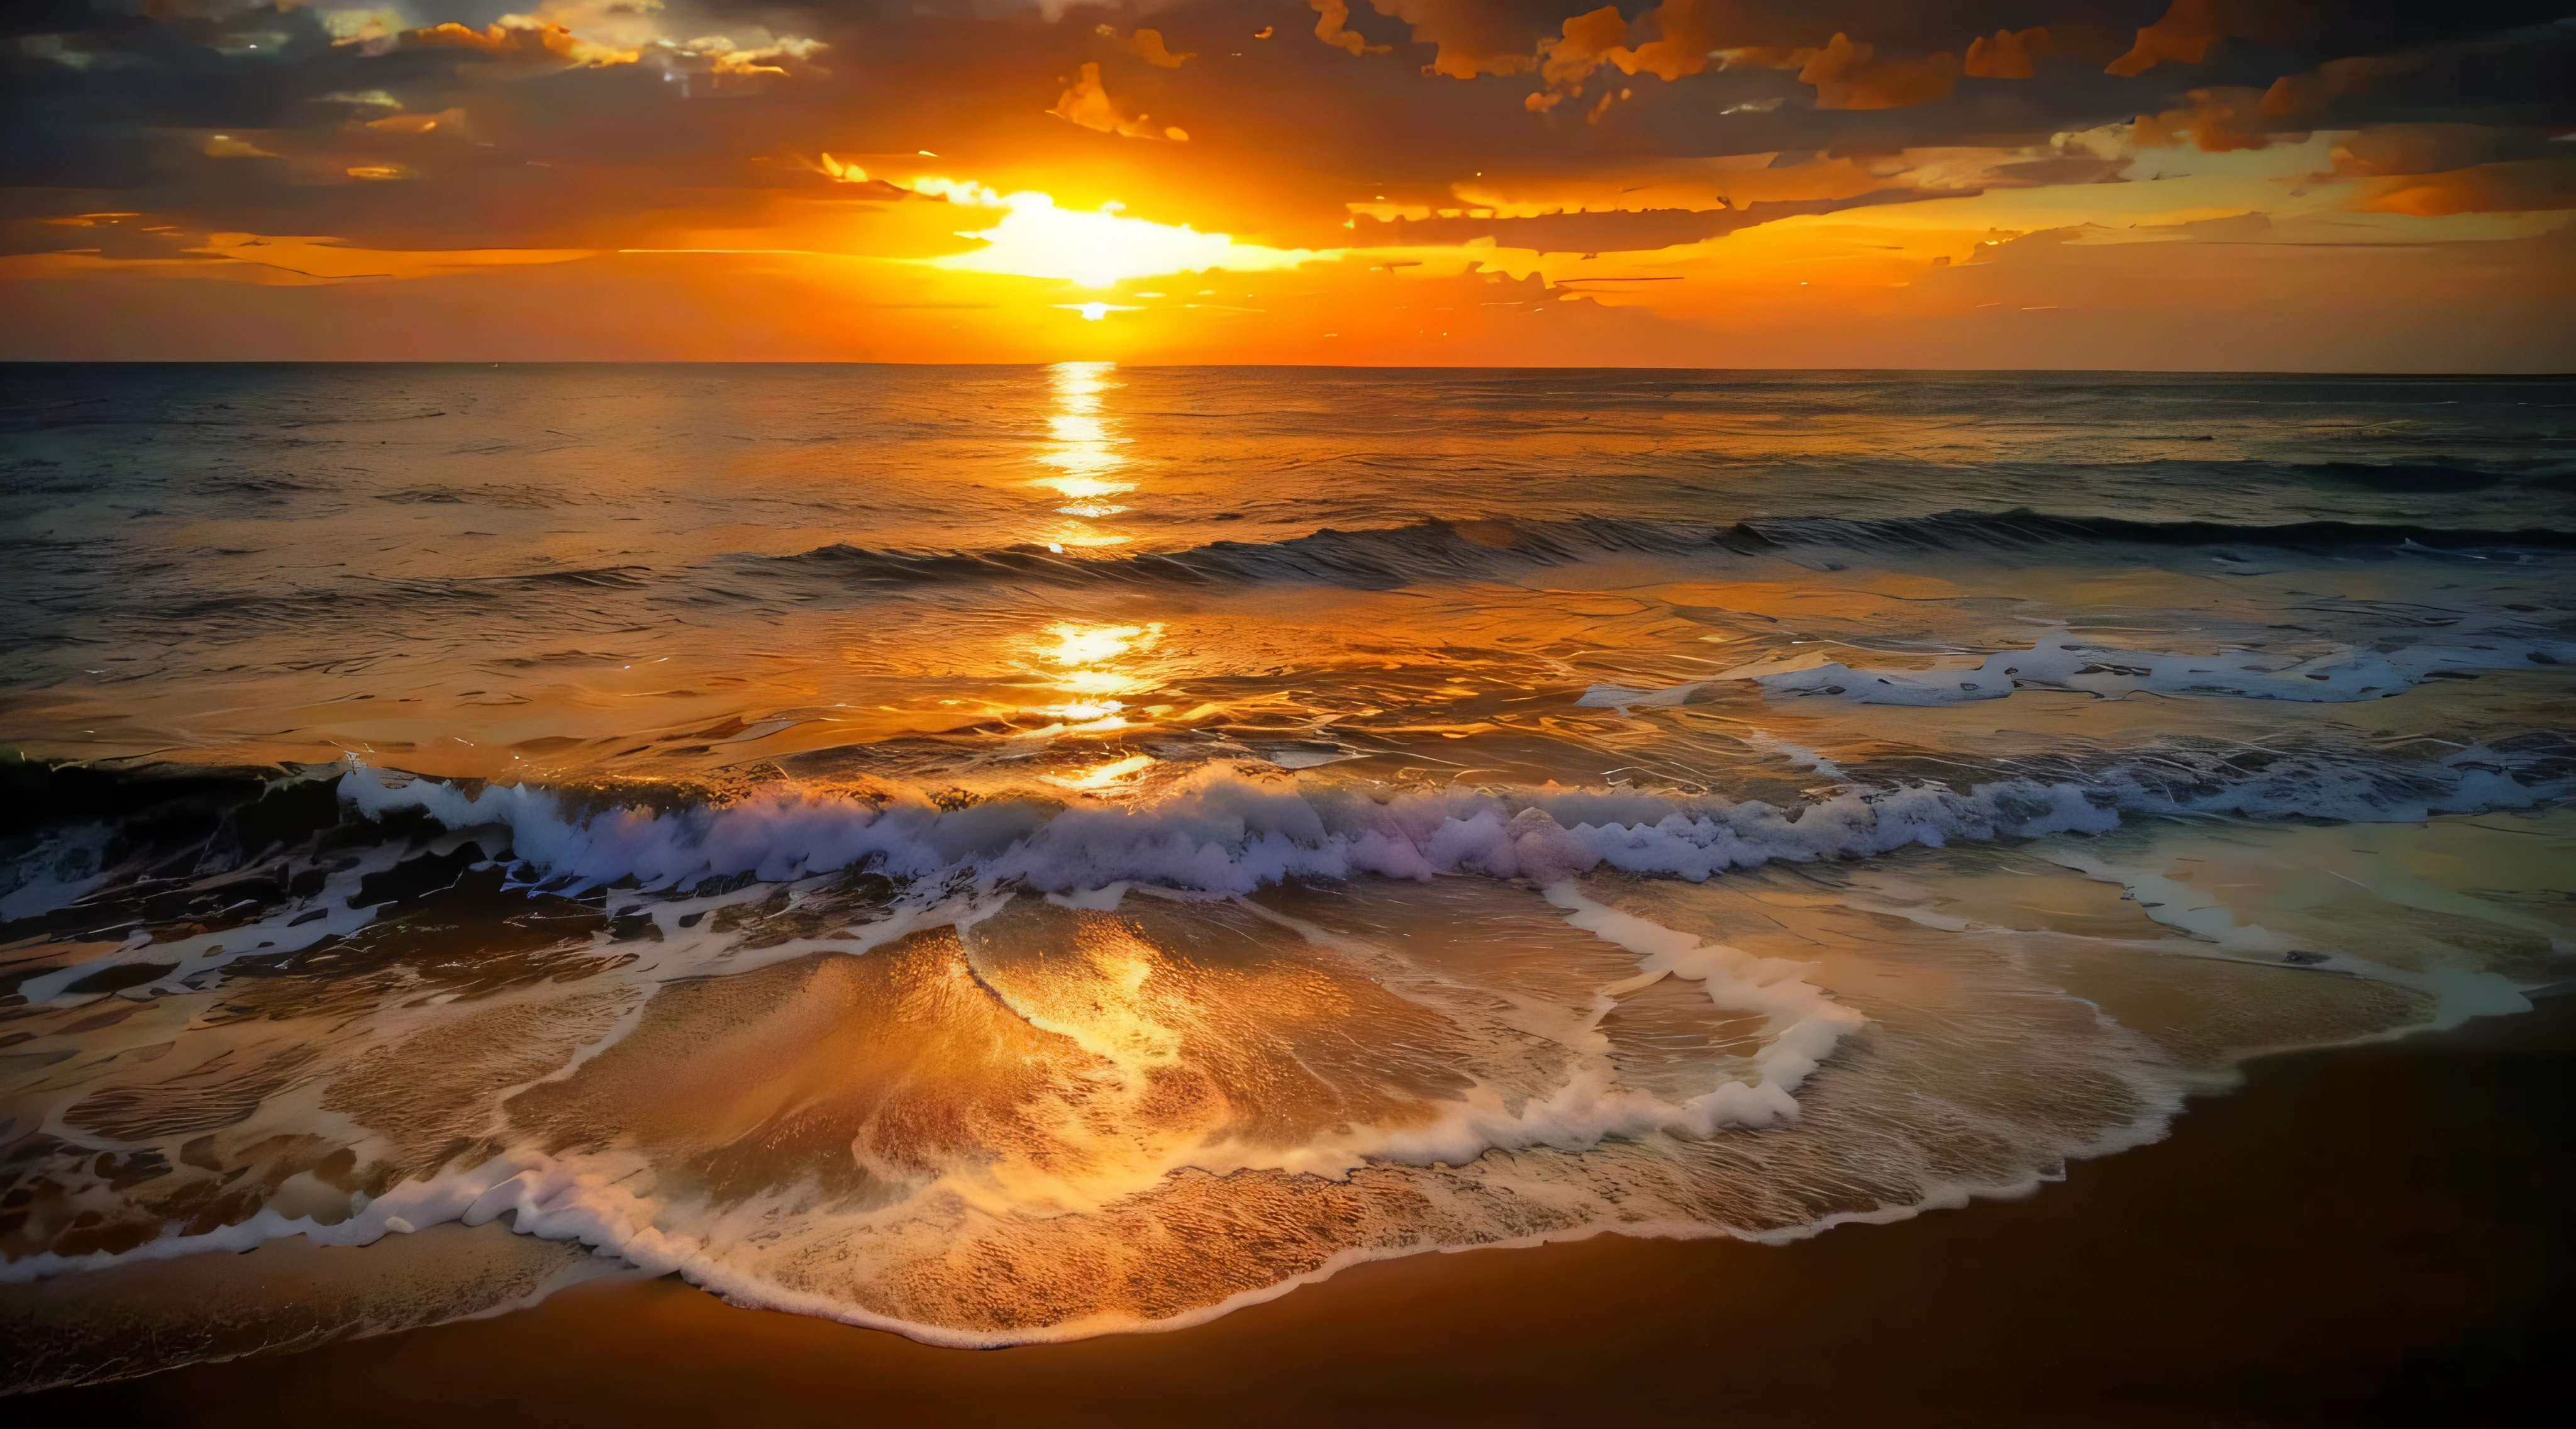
(1097, 248)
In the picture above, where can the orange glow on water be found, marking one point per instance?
(1086, 657)
(1102, 776)
(1086, 451)
(1083, 645)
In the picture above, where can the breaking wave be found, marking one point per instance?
(1222, 833)
(983, 1075)
(1226, 830)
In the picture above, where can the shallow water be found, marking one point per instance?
(1005, 854)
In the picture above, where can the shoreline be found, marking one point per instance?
(2361, 1233)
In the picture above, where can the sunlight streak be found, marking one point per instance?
(1096, 248)
(1101, 776)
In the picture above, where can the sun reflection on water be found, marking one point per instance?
(1088, 665)
(1084, 536)
(1085, 656)
(1101, 776)
(1085, 449)
(1084, 659)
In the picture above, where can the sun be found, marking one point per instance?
(1096, 248)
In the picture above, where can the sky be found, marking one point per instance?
(2091, 184)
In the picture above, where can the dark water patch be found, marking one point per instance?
(513, 497)
(1379, 559)
(158, 844)
(415, 878)
(37, 794)
(2025, 529)
(599, 577)
(1391, 557)
(2408, 477)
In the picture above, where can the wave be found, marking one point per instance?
(1230, 826)
(2057, 662)
(1210, 831)
(2025, 529)
(2433, 478)
(1389, 557)
(1382, 558)
(1217, 831)
(1009, 1105)
(1375, 559)
(993, 1050)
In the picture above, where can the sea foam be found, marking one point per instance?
(2057, 662)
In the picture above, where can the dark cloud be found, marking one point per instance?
(1088, 104)
(2430, 149)
(1617, 232)
(1146, 45)
(498, 132)
(2517, 186)
(886, 60)
(2007, 54)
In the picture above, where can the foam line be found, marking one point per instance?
(1222, 833)
(1219, 832)
(2059, 662)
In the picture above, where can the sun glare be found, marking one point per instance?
(1078, 645)
(1101, 776)
(1095, 248)
(1085, 656)
(1085, 450)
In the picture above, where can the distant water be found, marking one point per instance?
(1012, 853)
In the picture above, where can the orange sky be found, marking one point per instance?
(2213, 184)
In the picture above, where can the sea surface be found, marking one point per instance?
(1011, 854)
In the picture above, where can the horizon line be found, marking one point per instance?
(2566, 374)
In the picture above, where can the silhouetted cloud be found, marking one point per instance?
(2006, 54)
(590, 126)
(1146, 45)
(1088, 104)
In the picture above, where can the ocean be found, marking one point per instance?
(1016, 854)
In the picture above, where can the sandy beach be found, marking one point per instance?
(2359, 1235)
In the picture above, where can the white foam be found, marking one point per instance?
(1211, 835)
(612, 1200)
(615, 1202)
(1219, 832)
(2059, 662)
(1796, 753)
(2458, 993)
(1801, 1022)
(289, 928)
(64, 866)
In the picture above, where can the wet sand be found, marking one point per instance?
(2363, 1235)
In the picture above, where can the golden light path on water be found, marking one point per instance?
(1083, 660)
(1085, 449)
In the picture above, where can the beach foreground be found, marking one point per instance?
(2357, 1235)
